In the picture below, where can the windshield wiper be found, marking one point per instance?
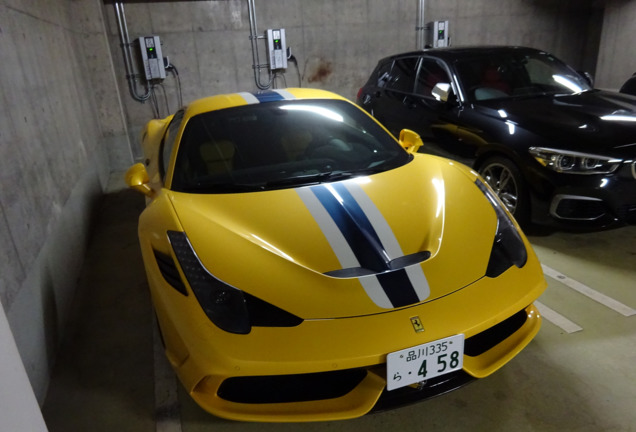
(228, 187)
(203, 186)
(322, 177)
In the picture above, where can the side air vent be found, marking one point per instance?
(169, 272)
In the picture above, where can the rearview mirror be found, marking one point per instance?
(137, 178)
(442, 91)
(410, 140)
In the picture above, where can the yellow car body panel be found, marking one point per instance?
(276, 246)
(284, 241)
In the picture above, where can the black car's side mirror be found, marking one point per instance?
(442, 91)
(588, 77)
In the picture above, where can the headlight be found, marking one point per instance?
(227, 307)
(574, 162)
(223, 304)
(508, 248)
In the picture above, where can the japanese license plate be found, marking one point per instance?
(422, 362)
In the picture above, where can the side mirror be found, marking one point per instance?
(442, 91)
(137, 178)
(410, 140)
(588, 77)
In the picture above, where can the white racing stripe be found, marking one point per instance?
(340, 247)
(329, 228)
(390, 243)
(557, 319)
(589, 292)
(388, 239)
(249, 98)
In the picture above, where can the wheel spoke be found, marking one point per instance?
(502, 181)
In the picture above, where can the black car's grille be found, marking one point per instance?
(169, 272)
(291, 388)
(482, 342)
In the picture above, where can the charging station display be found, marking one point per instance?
(276, 49)
(438, 36)
(152, 58)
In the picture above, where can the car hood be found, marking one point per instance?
(318, 251)
(594, 121)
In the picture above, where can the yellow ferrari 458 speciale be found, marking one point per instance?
(305, 265)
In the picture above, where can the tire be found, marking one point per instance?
(505, 178)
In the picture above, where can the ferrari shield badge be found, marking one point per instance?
(417, 324)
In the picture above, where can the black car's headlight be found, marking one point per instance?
(574, 162)
(227, 307)
(508, 248)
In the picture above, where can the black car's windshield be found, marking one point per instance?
(280, 145)
(516, 74)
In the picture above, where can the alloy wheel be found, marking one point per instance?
(503, 181)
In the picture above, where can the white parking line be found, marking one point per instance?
(589, 292)
(167, 410)
(557, 319)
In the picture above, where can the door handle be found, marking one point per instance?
(409, 102)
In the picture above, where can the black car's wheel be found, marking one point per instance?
(503, 176)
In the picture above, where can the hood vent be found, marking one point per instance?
(394, 264)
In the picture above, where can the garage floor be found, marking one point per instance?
(579, 374)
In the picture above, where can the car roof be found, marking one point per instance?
(453, 53)
(229, 100)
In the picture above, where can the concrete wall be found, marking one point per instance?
(569, 29)
(336, 42)
(54, 163)
(616, 57)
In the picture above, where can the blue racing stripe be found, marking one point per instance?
(365, 243)
(398, 288)
(355, 227)
(268, 96)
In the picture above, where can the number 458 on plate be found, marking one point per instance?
(423, 362)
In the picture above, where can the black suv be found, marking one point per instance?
(556, 151)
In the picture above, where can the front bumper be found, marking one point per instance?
(335, 369)
(586, 201)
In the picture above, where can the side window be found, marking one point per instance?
(384, 74)
(431, 72)
(403, 74)
(168, 143)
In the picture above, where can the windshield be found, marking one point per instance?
(511, 74)
(279, 145)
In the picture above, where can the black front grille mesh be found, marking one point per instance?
(334, 384)
(482, 342)
(169, 272)
(291, 388)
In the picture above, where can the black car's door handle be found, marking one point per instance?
(409, 102)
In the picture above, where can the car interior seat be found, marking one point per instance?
(492, 85)
(295, 143)
(217, 156)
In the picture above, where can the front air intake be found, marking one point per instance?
(573, 207)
